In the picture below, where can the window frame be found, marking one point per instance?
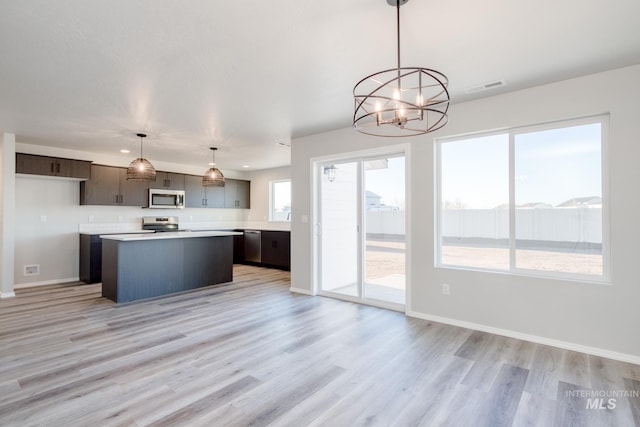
(272, 185)
(603, 120)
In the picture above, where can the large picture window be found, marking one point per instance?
(527, 200)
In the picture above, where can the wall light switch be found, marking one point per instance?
(43, 218)
(119, 218)
(91, 218)
(445, 289)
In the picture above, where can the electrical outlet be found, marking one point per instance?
(120, 218)
(91, 218)
(32, 270)
(445, 289)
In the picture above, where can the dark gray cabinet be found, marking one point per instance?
(198, 196)
(32, 164)
(194, 196)
(276, 249)
(90, 258)
(214, 196)
(238, 249)
(237, 194)
(109, 186)
(169, 181)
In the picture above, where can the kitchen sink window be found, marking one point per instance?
(527, 200)
(280, 201)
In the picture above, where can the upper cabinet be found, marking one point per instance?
(194, 195)
(32, 164)
(169, 181)
(197, 196)
(237, 194)
(109, 186)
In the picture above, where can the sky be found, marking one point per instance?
(388, 183)
(551, 166)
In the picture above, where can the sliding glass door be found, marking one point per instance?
(361, 229)
(339, 253)
(384, 216)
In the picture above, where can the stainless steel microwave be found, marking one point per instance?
(166, 199)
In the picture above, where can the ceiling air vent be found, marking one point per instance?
(485, 86)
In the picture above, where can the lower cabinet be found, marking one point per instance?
(90, 258)
(276, 249)
(267, 248)
(238, 249)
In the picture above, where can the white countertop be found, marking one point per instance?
(167, 235)
(123, 228)
(101, 233)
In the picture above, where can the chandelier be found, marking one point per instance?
(141, 169)
(402, 101)
(213, 177)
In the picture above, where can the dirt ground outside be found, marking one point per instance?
(498, 259)
(387, 257)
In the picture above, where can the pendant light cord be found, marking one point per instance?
(398, 38)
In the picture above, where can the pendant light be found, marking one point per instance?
(402, 101)
(141, 169)
(213, 177)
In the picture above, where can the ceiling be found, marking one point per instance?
(249, 76)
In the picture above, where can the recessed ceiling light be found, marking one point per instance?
(246, 166)
(211, 164)
(125, 151)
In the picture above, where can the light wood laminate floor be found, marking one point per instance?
(252, 353)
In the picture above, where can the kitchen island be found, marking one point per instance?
(138, 266)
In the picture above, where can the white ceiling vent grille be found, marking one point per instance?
(486, 86)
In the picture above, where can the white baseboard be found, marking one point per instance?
(46, 282)
(301, 291)
(623, 357)
(7, 295)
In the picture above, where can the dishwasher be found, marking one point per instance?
(252, 246)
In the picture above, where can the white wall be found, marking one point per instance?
(7, 213)
(598, 316)
(260, 182)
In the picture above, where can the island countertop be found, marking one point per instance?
(168, 235)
